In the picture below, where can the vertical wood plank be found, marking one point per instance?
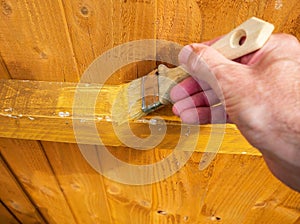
(6, 217)
(103, 25)
(179, 21)
(179, 198)
(12, 195)
(34, 41)
(221, 16)
(82, 186)
(247, 193)
(4, 74)
(37, 33)
(292, 23)
(97, 26)
(130, 203)
(196, 21)
(242, 190)
(28, 162)
(284, 14)
(279, 201)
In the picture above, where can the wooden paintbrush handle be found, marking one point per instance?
(246, 38)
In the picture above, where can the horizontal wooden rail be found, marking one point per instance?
(37, 110)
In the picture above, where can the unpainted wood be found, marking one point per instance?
(234, 189)
(253, 193)
(31, 167)
(35, 42)
(221, 16)
(179, 21)
(6, 217)
(103, 25)
(4, 74)
(13, 196)
(130, 203)
(82, 186)
(87, 190)
(190, 195)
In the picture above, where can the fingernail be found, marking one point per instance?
(175, 111)
(184, 54)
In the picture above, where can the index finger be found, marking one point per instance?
(187, 87)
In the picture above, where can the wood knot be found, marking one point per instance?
(42, 54)
(185, 218)
(161, 212)
(75, 186)
(145, 204)
(6, 8)
(45, 190)
(84, 11)
(15, 206)
(113, 190)
(215, 218)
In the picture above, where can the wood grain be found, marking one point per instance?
(251, 187)
(34, 41)
(28, 162)
(179, 21)
(130, 203)
(103, 25)
(26, 114)
(70, 33)
(56, 41)
(234, 189)
(83, 187)
(12, 195)
(279, 13)
(6, 217)
(87, 190)
(4, 74)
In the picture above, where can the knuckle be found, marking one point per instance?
(195, 61)
(291, 39)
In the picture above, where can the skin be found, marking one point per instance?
(261, 94)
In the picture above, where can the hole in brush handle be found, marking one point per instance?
(238, 39)
(246, 38)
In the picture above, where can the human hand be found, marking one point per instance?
(261, 95)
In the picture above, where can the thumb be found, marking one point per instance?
(227, 78)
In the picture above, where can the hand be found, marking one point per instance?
(261, 95)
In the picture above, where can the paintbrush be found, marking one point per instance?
(150, 92)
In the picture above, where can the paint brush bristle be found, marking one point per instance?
(128, 102)
(154, 88)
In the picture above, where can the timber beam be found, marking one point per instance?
(36, 110)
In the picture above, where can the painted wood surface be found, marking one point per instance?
(6, 217)
(4, 74)
(56, 41)
(234, 189)
(84, 189)
(102, 25)
(34, 39)
(26, 114)
(30, 165)
(15, 198)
